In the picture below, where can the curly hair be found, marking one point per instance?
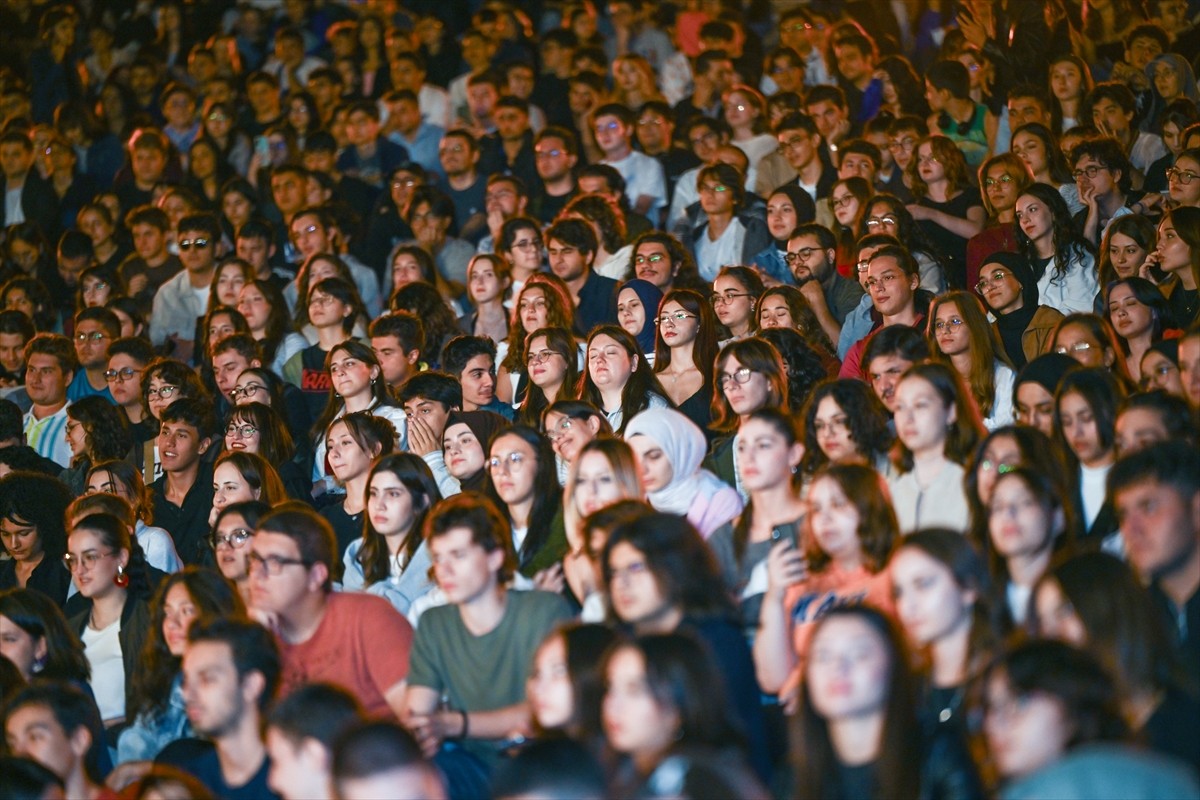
(108, 435)
(562, 342)
(866, 420)
(594, 209)
(560, 313)
(803, 316)
(949, 156)
(804, 366)
(687, 275)
(1068, 243)
(908, 232)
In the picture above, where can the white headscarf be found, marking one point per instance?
(684, 446)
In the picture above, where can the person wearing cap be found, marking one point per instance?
(1008, 286)
(1035, 387)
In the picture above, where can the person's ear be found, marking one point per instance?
(80, 742)
(205, 443)
(253, 684)
(255, 363)
(593, 425)
(317, 575)
(633, 363)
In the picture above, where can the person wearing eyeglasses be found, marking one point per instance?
(1003, 178)
(109, 569)
(801, 144)
(1104, 176)
(1008, 286)
(1183, 178)
(961, 337)
(95, 329)
(184, 298)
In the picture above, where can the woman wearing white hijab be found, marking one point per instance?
(669, 449)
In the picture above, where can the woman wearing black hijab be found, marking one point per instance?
(465, 446)
(1008, 286)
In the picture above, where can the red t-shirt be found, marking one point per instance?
(362, 645)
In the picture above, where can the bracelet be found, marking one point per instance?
(463, 735)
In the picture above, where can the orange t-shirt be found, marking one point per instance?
(362, 645)
(807, 602)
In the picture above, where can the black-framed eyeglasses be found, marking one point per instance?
(122, 375)
(249, 390)
(162, 392)
(1184, 177)
(803, 254)
(234, 539)
(741, 376)
(244, 431)
(1090, 172)
(273, 565)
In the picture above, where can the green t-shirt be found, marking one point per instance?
(483, 673)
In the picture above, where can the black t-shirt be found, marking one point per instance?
(199, 759)
(949, 244)
(346, 527)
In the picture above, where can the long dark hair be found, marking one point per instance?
(866, 420)
(414, 474)
(1068, 243)
(585, 646)
(275, 443)
(547, 494)
(213, 596)
(41, 618)
(278, 324)
(785, 425)
(704, 348)
(635, 396)
(1056, 162)
(107, 430)
(757, 355)
(113, 533)
(899, 762)
(562, 342)
(380, 395)
(964, 433)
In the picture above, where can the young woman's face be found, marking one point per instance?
(1128, 315)
(928, 166)
(609, 365)
(1031, 150)
(157, 402)
(732, 303)
(347, 460)
(848, 666)
(233, 546)
(325, 310)
(1187, 168)
(1000, 455)
(1056, 617)
(405, 270)
(237, 208)
(1166, 81)
(463, 452)
(95, 226)
(1001, 289)
(482, 281)
(1078, 342)
(835, 519)
(1125, 255)
(390, 504)
(745, 389)
(781, 216)
(351, 377)
(1019, 525)
(1174, 255)
(203, 162)
(596, 484)
(547, 368)
(532, 310)
(1024, 733)
(1080, 429)
(845, 206)
(96, 291)
(551, 696)
(773, 312)
(631, 313)
(832, 427)
(230, 281)
(764, 457)
(567, 436)
(254, 306)
(950, 331)
(526, 252)
(1066, 81)
(230, 486)
(95, 580)
(1001, 187)
(634, 591)
(514, 467)
(1034, 217)
(634, 722)
(1160, 372)
(179, 611)
(922, 419)
(77, 437)
(676, 332)
(220, 328)
(929, 601)
(654, 466)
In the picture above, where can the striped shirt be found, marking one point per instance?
(48, 436)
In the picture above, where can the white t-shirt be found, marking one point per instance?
(643, 176)
(103, 651)
(727, 249)
(13, 213)
(1091, 486)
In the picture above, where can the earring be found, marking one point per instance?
(38, 664)
(121, 579)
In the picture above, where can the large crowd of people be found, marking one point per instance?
(708, 398)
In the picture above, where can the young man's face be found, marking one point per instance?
(462, 569)
(935, 97)
(395, 365)
(406, 75)
(149, 241)
(884, 374)
(1160, 526)
(858, 165)
(1142, 51)
(227, 366)
(12, 352)
(180, 445)
(482, 100)
(361, 128)
(720, 74)
(148, 165)
(264, 99)
(15, 160)
(852, 62)
(296, 767)
(478, 380)
(405, 115)
(254, 251)
(553, 161)
(33, 732)
(283, 592)
(799, 147)
(288, 190)
(431, 412)
(457, 155)
(511, 123)
(611, 134)
(45, 380)
(308, 235)
(216, 699)
(1109, 116)
(197, 250)
(829, 119)
(1103, 182)
(1024, 110)
(807, 259)
(654, 131)
(91, 343)
(566, 261)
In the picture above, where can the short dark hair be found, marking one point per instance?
(553, 767)
(407, 328)
(318, 711)
(896, 340)
(72, 709)
(1115, 91)
(433, 385)
(489, 528)
(256, 228)
(12, 421)
(252, 647)
(148, 215)
(797, 121)
(201, 223)
(901, 255)
(951, 76)
(311, 532)
(136, 347)
(461, 349)
(75, 244)
(863, 148)
(195, 411)
(567, 137)
(107, 319)
(372, 748)
(13, 321)
(824, 93)
(618, 110)
(823, 235)
(1149, 30)
(1107, 151)
(1174, 464)
(243, 343)
(573, 232)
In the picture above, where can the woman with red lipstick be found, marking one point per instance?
(684, 350)
(391, 559)
(735, 301)
(960, 336)
(239, 477)
(858, 733)
(356, 384)
(552, 358)
(230, 542)
(157, 707)
(257, 428)
(1138, 313)
(353, 442)
(844, 422)
(109, 570)
(1028, 519)
(1085, 428)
